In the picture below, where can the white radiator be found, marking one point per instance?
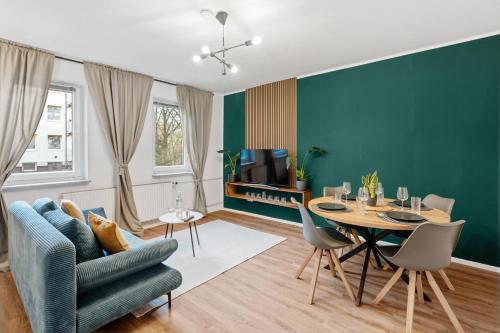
(151, 200)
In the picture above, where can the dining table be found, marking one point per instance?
(373, 228)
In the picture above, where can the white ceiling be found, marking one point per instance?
(159, 37)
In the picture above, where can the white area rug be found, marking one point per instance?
(223, 246)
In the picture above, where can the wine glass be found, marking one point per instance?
(346, 189)
(402, 195)
(363, 194)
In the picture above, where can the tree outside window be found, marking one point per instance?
(169, 141)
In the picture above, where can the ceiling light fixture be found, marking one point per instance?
(220, 55)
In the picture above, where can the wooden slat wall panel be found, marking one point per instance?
(271, 118)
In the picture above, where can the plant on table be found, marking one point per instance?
(370, 182)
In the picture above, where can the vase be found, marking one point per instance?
(232, 178)
(301, 185)
(372, 202)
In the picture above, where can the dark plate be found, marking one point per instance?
(350, 197)
(407, 204)
(405, 216)
(331, 206)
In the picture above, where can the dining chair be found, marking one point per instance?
(428, 249)
(329, 191)
(323, 240)
(445, 205)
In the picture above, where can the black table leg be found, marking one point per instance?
(363, 276)
(196, 229)
(191, 233)
(171, 230)
(166, 231)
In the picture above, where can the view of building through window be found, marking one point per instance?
(51, 148)
(169, 143)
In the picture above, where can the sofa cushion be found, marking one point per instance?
(104, 304)
(99, 211)
(108, 234)
(86, 245)
(72, 209)
(44, 205)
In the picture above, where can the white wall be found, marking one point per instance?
(100, 161)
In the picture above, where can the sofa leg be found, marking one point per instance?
(169, 295)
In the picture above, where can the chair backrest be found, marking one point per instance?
(311, 235)
(441, 203)
(330, 191)
(429, 247)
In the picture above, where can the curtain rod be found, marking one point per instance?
(81, 62)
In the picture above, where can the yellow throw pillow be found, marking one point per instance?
(108, 234)
(72, 209)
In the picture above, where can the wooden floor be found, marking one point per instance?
(261, 295)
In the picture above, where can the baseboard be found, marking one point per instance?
(465, 262)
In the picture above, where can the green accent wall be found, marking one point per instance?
(429, 121)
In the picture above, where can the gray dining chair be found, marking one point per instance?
(428, 249)
(323, 240)
(445, 205)
(329, 191)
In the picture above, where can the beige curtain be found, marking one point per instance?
(121, 99)
(196, 108)
(25, 76)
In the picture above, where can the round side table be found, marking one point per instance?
(171, 219)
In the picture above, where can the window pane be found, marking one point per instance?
(51, 149)
(169, 143)
(32, 144)
(54, 112)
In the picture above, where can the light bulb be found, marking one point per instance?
(205, 49)
(234, 69)
(256, 40)
(196, 58)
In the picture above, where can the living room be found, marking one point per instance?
(249, 166)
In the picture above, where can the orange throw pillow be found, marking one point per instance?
(108, 234)
(72, 209)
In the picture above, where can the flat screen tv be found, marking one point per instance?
(264, 166)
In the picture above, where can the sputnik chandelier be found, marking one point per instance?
(220, 55)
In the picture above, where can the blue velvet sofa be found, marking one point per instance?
(61, 295)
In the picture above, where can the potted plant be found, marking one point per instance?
(301, 170)
(233, 161)
(370, 182)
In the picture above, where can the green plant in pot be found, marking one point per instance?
(302, 174)
(231, 165)
(370, 182)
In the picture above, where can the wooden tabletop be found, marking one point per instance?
(370, 219)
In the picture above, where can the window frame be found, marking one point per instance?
(160, 170)
(79, 146)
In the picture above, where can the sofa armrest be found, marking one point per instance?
(100, 271)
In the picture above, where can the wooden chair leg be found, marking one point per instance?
(330, 262)
(388, 285)
(444, 302)
(304, 264)
(314, 279)
(347, 285)
(446, 279)
(411, 301)
(420, 289)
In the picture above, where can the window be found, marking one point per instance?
(169, 139)
(32, 145)
(54, 112)
(53, 150)
(54, 141)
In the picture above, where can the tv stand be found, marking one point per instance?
(233, 190)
